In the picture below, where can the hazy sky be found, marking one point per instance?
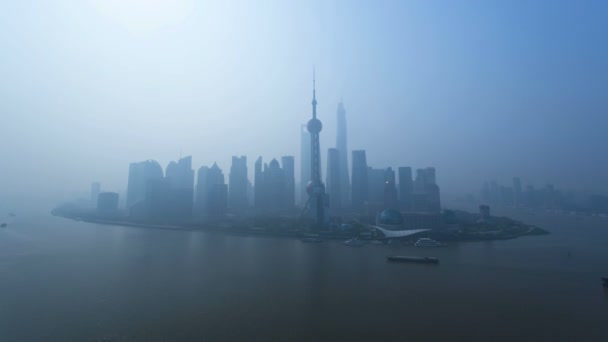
(479, 89)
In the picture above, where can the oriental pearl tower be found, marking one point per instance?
(316, 190)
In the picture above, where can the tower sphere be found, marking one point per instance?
(314, 125)
(314, 187)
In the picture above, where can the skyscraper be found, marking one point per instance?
(258, 187)
(217, 199)
(211, 191)
(341, 146)
(201, 191)
(274, 185)
(180, 177)
(304, 164)
(360, 180)
(390, 190)
(290, 181)
(237, 191)
(315, 188)
(376, 179)
(140, 174)
(426, 196)
(406, 187)
(333, 180)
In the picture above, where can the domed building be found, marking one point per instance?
(390, 217)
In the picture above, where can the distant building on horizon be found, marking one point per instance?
(426, 196)
(333, 180)
(140, 175)
(288, 165)
(341, 146)
(212, 192)
(406, 187)
(274, 188)
(237, 184)
(360, 180)
(180, 177)
(391, 199)
(376, 180)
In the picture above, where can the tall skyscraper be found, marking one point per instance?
(315, 188)
(95, 189)
(180, 176)
(290, 181)
(406, 187)
(258, 187)
(333, 180)
(341, 146)
(237, 191)
(217, 199)
(376, 179)
(274, 186)
(304, 164)
(360, 180)
(390, 190)
(140, 174)
(201, 191)
(211, 191)
(426, 196)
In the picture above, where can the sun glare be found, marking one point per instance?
(145, 15)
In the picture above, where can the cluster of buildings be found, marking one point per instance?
(520, 196)
(177, 196)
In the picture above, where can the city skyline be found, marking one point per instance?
(102, 85)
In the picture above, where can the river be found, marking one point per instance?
(62, 280)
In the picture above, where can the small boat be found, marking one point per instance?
(421, 260)
(426, 242)
(354, 242)
(311, 240)
(3, 225)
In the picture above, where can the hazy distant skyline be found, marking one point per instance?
(479, 89)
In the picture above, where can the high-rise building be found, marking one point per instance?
(406, 187)
(316, 190)
(211, 192)
(258, 187)
(180, 177)
(237, 194)
(217, 199)
(140, 174)
(274, 186)
(360, 180)
(376, 180)
(201, 191)
(341, 146)
(95, 189)
(305, 165)
(288, 165)
(333, 180)
(390, 190)
(426, 196)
